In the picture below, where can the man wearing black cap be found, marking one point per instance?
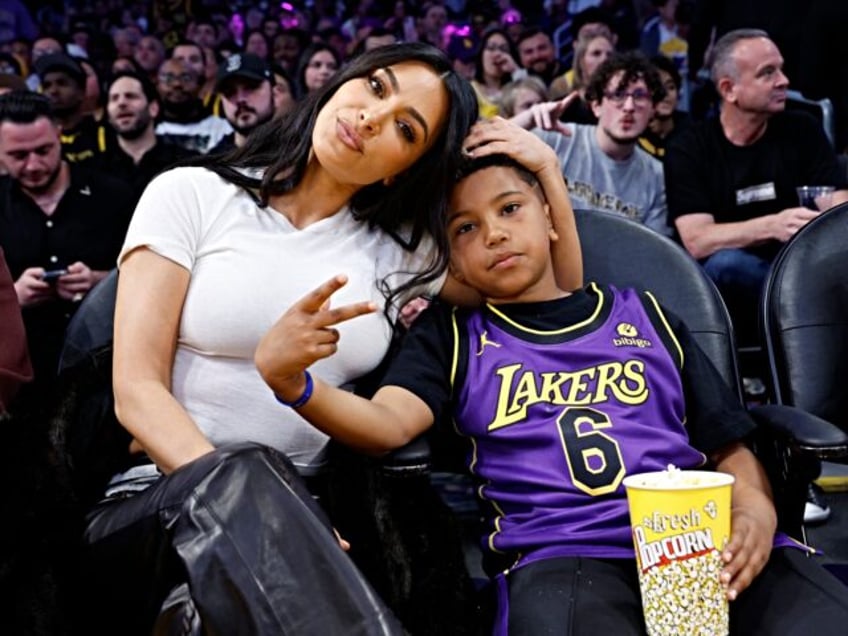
(63, 82)
(246, 86)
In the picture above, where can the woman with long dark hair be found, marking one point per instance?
(212, 501)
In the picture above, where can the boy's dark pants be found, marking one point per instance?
(591, 597)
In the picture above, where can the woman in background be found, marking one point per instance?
(590, 52)
(496, 66)
(256, 42)
(318, 62)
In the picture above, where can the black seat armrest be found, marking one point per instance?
(411, 459)
(803, 430)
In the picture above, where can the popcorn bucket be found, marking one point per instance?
(681, 523)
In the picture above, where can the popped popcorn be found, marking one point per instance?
(685, 597)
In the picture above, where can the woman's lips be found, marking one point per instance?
(348, 136)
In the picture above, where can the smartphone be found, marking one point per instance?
(50, 276)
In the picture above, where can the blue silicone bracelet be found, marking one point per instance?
(304, 397)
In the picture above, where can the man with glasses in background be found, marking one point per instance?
(602, 164)
(183, 119)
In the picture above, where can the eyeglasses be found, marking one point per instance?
(640, 96)
(171, 78)
(496, 48)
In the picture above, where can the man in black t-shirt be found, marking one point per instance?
(731, 182)
(135, 154)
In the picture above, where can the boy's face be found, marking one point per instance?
(500, 232)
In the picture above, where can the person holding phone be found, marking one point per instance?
(61, 227)
(52, 275)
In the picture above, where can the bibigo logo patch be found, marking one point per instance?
(629, 337)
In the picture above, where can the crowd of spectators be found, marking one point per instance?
(137, 87)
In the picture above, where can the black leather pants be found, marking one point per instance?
(239, 528)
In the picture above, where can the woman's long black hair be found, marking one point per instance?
(416, 201)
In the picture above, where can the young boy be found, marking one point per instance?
(561, 394)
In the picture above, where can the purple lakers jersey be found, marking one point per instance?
(556, 421)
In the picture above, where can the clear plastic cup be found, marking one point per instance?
(681, 523)
(815, 197)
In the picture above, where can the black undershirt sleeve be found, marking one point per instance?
(714, 415)
(423, 364)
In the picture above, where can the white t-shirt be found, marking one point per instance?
(198, 136)
(248, 264)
